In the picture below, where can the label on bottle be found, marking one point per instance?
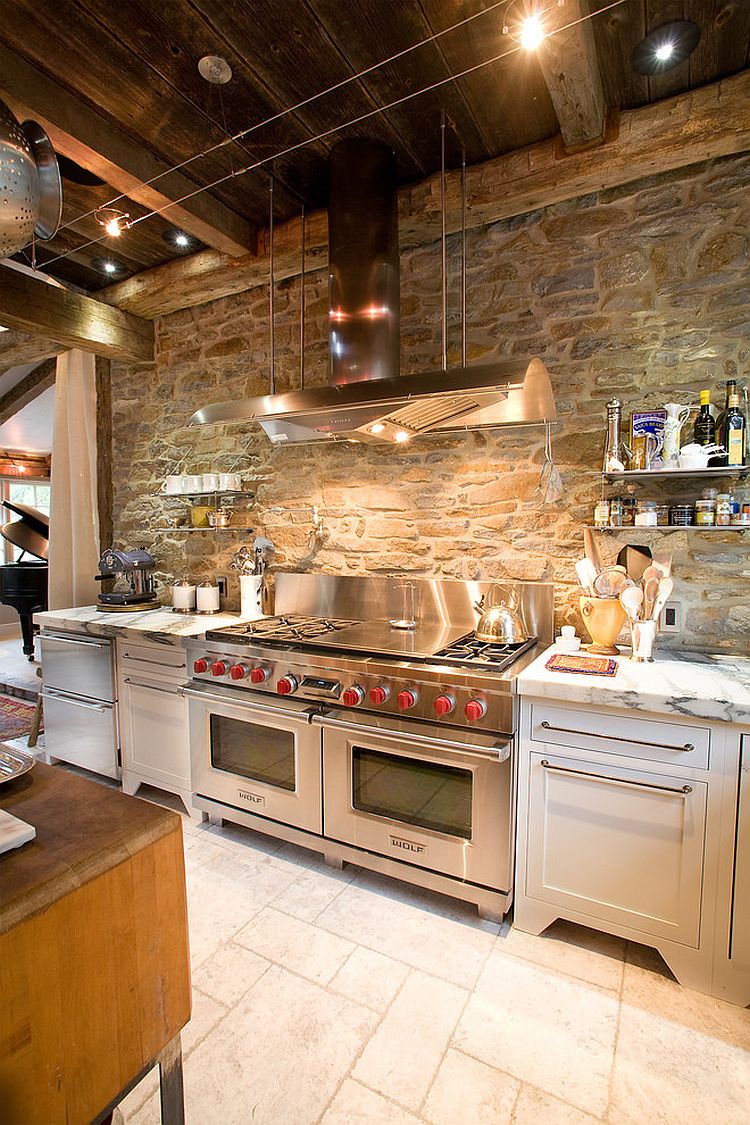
(734, 447)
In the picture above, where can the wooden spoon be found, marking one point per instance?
(665, 590)
(650, 594)
(631, 601)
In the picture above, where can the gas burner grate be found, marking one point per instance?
(285, 627)
(469, 652)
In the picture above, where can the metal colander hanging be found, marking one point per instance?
(30, 188)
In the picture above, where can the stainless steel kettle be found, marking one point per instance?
(500, 622)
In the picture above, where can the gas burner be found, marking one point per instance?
(285, 628)
(469, 652)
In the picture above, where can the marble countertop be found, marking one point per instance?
(157, 626)
(691, 685)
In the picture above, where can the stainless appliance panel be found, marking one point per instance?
(81, 731)
(444, 809)
(78, 665)
(260, 757)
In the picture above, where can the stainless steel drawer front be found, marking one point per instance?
(78, 666)
(82, 732)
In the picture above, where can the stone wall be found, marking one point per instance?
(639, 292)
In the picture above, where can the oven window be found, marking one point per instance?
(249, 750)
(425, 794)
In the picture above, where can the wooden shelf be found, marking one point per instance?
(232, 527)
(671, 527)
(213, 495)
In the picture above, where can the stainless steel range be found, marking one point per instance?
(388, 747)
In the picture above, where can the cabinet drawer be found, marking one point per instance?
(620, 845)
(154, 731)
(679, 744)
(151, 660)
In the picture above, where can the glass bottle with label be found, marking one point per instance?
(721, 458)
(735, 435)
(704, 428)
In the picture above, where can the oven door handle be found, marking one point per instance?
(498, 753)
(237, 700)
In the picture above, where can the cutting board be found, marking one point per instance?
(14, 832)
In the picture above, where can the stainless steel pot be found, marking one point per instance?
(500, 622)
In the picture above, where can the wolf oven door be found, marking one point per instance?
(438, 799)
(263, 758)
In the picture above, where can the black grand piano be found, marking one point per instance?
(23, 584)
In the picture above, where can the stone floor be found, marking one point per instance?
(17, 673)
(340, 997)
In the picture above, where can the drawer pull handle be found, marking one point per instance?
(616, 738)
(145, 660)
(154, 687)
(681, 792)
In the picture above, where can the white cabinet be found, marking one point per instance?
(621, 845)
(153, 719)
(739, 951)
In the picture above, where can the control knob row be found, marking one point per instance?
(235, 671)
(442, 704)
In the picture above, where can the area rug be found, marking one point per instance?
(16, 717)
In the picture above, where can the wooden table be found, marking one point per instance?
(94, 961)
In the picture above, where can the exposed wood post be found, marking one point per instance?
(32, 305)
(27, 389)
(104, 483)
(571, 70)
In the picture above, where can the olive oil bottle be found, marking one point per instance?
(734, 434)
(704, 429)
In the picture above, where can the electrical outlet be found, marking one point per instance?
(221, 582)
(670, 618)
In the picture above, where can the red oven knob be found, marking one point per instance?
(200, 665)
(378, 694)
(406, 699)
(238, 671)
(475, 709)
(287, 685)
(219, 668)
(353, 696)
(259, 675)
(443, 705)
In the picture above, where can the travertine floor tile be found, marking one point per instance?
(207, 1012)
(454, 947)
(534, 1107)
(229, 973)
(587, 954)
(401, 1058)
(313, 953)
(277, 1057)
(312, 891)
(546, 1029)
(657, 993)
(370, 978)
(466, 1090)
(354, 1103)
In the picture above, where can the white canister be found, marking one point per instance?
(251, 587)
(210, 482)
(172, 485)
(207, 598)
(230, 482)
(191, 483)
(183, 596)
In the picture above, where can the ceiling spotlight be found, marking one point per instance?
(108, 266)
(377, 428)
(179, 239)
(215, 69)
(532, 32)
(665, 47)
(113, 220)
(401, 435)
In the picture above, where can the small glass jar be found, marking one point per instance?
(681, 515)
(723, 509)
(615, 512)
(662, 515)
(628, 511)
(745, 513)
(601, 514)
(645, 513)
(705, 513)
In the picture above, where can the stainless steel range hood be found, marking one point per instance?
(367, 399)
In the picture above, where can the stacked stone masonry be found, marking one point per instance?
(640, 292)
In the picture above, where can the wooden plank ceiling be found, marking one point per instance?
(135, 65)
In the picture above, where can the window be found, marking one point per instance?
(33, 493)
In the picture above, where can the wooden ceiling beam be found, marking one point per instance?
(571, 70)
(710, 122)
(27, 389)
(71, 319)
(19, 348)
(98, 144)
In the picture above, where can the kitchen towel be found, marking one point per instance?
(588, 665)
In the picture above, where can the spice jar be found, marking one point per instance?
(681, 515)
(705, 513)
(628, 511)
(645, 513)
(601, 514)
(723, 509)
(662, 515)
(615, 512)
